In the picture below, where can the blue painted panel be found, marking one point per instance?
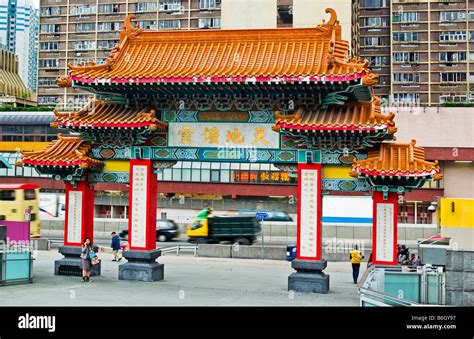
(351, 220)
(17, 266)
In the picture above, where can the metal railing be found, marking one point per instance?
(180, 248)
(374, 279)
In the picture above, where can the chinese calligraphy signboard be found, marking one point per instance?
(310, 207)
(384, 229)
(216, 134)
(142, 205)
(74, 217)
(138, 212)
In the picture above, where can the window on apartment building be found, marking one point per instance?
(83, 9)
(106, 44)
(209, 23)
(209, 4)
(453, 36)
(170, 5)
(50, 11)
(375, 22)
(84, 45)
(378, 60)
(406, 97)
(85, 27)
(374, 3)
(452, 56)
(405, 36)
(406, 57)
(49, 63)
(47, 81)
(49, 46)
(452, 16)
(48, 99)
(49, 28)
(406, 17)
(109, 26)
(169, 24)
(375, 41)
(452, 77)
(284, 16)
(147, 24)
(146, 6)
(109, 8)
(452, 98)
(406, 77)
(384, 80)
(82, 61)
(471, 35)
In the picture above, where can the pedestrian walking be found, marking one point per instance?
(356, 257)
(115, 246)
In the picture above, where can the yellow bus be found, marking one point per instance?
(19, 202)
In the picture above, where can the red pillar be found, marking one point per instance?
(308, 242)
(142, 205)
(79, 220)
(384, 229)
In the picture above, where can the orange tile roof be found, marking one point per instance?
(391, 159)
(354, 116)
(261, 55)
(102, 114)
(65, 151)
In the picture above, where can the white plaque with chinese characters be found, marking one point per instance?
(74, 217)
(309, 213)
(212, 134)
(385, 233)
(139, 207)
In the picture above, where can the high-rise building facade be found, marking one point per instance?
(18, 33)
(423, 50)
(83, 31)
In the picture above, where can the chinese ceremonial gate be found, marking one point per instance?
(291, 97)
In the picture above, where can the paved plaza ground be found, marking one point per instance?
(189, 281)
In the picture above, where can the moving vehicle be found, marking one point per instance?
(52, 206)
(241, 229)
(271, 215)
(166, 230)
(19, 202)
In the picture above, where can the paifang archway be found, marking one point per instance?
(292, 97)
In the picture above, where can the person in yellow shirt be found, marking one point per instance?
(356, 257)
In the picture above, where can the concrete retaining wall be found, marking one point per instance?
(460, 278)
(268, 252)
(272, 232)
(214, 250)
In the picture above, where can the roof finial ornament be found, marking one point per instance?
(333, 19)
(128, 27)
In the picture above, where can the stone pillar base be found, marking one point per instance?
(141, 266)
(70, 265)
(309, 276)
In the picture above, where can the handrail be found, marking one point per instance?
(381, 295)
(179, 248)
(382, 298)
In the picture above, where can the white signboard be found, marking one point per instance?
(385, 233)
(309, 213)
(219, 135)
(74, 217)
(139, 209)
